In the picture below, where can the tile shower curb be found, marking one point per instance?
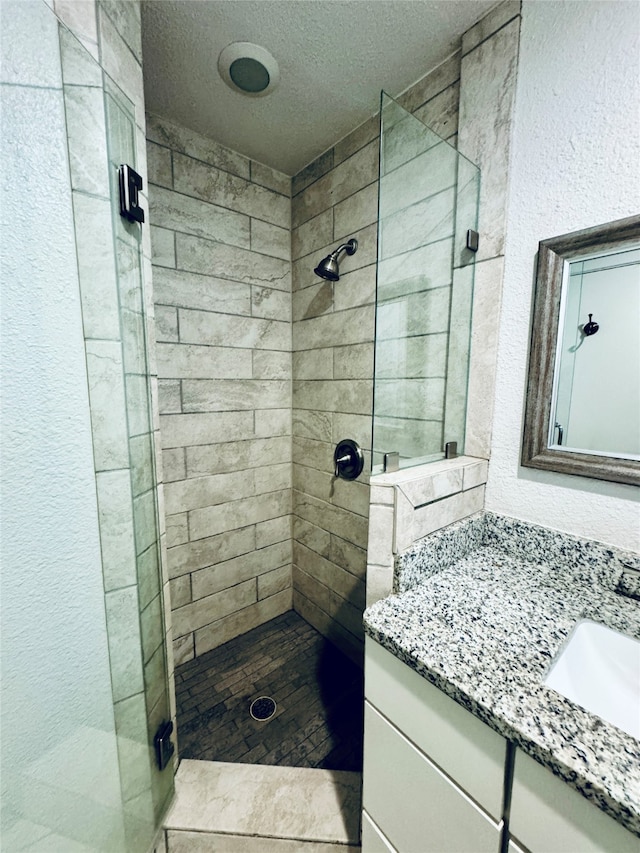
(301, 804)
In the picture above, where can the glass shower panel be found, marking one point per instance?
(428, 199)
(151, 788)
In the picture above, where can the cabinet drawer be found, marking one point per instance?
(415, 805)
(463, 746)
(372, 839)
(547, 816)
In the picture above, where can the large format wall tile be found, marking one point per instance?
(198, 180)
(486, 119)
(223, 309)
(174, 137)
(87, 137)
(107, 396)
(225, 629)
(187, 361)
(116, 529)
(348, 177)
(195, 254)
(228, 515)
(488, 83)
(182, 213)
(220, 330)
(200, 291)
(342, 327)
(96, 268)
(119, 61)
(270, 239)
(215, 578)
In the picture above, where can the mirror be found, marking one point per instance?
(582, 412)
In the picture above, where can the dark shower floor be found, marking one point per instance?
(318, 691)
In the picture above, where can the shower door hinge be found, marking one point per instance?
(391, 462)
(473, 240)
(163, 744)
(130, 185)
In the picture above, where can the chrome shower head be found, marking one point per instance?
(329, 268)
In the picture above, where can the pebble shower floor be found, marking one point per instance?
(318, 692)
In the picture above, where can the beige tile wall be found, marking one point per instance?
(487, 96)
(222, 283)
(336, 198)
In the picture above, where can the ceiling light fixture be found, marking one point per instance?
(249, 69)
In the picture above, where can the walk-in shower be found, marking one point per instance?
(405, 296)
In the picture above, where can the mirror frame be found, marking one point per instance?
(552, 255)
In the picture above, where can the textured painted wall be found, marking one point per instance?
(222, 283)
(574, 165)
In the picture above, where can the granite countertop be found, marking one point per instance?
(481, 610)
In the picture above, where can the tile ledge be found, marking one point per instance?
(418, 472)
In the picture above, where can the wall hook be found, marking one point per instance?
(590, 328)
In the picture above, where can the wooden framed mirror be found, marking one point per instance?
(582, 413)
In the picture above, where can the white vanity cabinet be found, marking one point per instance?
(433, 773)
(548, 816)
(434, 779)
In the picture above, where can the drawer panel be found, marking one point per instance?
(547, 816)
(415, 805)
(463, 746)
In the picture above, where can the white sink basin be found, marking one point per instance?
(599, 669)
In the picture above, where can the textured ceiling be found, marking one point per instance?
(334, 56)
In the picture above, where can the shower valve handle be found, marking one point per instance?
(341, 461)
(348, 459)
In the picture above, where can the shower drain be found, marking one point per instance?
(263, 708)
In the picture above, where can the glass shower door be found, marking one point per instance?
(141, 689)
(428, 200)
(83, 659)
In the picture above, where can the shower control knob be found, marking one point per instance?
(348, 459)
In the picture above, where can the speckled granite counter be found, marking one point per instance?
(482, 609)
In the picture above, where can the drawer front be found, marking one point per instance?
(415, 805)
(547, 816)
(372, 839)
(463, 746)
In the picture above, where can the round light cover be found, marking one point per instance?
(249, 69)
